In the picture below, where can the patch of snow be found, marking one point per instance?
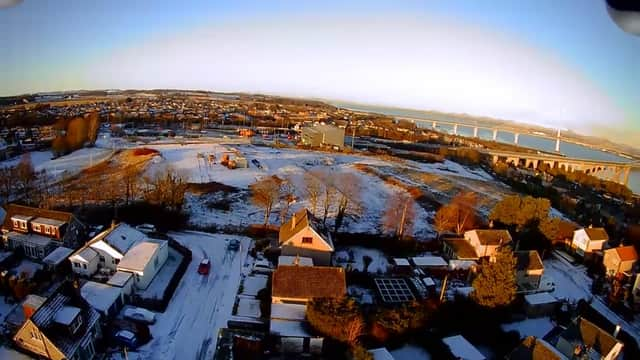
(411, 352)
(538, 327)
(353, 255)
(248, 308)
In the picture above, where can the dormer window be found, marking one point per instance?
(36, 227)
(307, 240)
(47, 230)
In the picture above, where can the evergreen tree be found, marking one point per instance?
(495, 285)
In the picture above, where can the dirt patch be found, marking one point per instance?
(144, 151)
(210, 187)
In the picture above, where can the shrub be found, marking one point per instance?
(340, 319)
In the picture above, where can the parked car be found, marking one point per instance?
(139, 314)
(126, 338)
(233, 244)
(262, 266)
(204, 267)
(146, 228)
(140, 330)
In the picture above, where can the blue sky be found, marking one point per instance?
(559, 63)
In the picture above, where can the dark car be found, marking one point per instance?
(141, 331)
(233, 244)
(204, 267)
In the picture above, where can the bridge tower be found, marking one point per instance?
(475, 132)
(495, 134)
(558, 141)
(455, 129)
(434, 125)
(516, 137)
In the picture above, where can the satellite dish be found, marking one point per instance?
(9, 3)
(626, 14)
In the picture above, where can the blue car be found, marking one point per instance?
(126, 338)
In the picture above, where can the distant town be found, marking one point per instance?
(166, 224)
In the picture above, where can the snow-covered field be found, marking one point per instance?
(65, 165)
(201, 305)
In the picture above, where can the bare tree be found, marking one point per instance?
(26, 178)
(265, 193)
(348, 186)
(287, 197)
(166, 189)
(313, 189)
(130, 182)
(399, 216)
(94, 124)
(459, 215)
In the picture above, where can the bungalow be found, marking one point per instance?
(529, 270)
(63, 327)
(583, 338)
(459, 249)
(487, 242)
(300, 236)
(620, 259)
(292, 287)
(39, 231)
(105, 250)
(589, 240)
(144, 260)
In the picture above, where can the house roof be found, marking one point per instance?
(584, 332)
(57, 256)
(100, 296)
(47, 221)
(625, 253)
(297, 223)
(14, 209)
(433, 261)
(288, 311)
(381, 354)
(596, 234)
(528, 260)
(44, 318)
(139, 256)
(120, 278)
(532, 348)
(462, 248)
(84, 255)
(462, 349)
(30, 238)
(492, 237)
(66, 315)
(307, 282)
(115, 241)
(292, 260)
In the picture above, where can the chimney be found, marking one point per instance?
(616, 331)
(296, 261)
(114, 222)
(590, 226)
(293, 221)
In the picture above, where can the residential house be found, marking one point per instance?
(40, 231)
(459, 249)
(292, 287)
(105, 250)
(144, 260)
(63, 327)
(619, 259)
(487, 242)
(529, 270)
(583, 339)
(532, 348)
(589, 240)
(123, 280)
(300, 236)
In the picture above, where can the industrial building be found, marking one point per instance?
(323, 135)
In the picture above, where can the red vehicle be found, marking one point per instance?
(204, 267)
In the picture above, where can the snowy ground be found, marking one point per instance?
(573, 284)
(201, 304)
(65, 165)
(352, 255)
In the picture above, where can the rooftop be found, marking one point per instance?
(491, 236)
(528, 260)
(84, 255)
(306, 282)
(625, 253)
(462, 249)
(295, 260)
(288, 311)
(139, 256)
(462, 349)
(296, 223)
(57, 256)
(66, 315)
(434, 261)
(584, 332)
(100, 296)
(532, 348)
(597, 233)
(30, 212)
(30, 238)
(47, 221)
(120, 278)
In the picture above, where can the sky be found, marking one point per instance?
(562, 64)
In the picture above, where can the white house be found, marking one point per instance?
(300, 236)
(487, 242)
(589, 240)
(144, 260)
(105, 250)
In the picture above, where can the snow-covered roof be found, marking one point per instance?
(84, 255)
(462, 349)
(400, 262)
(428, 281)
(57, 256)
(288, 311)
(429, 261)
(47, 221)
(35, 239)
(123, 237)
(120, 278)
(461, 264)
(540, 298)
(107, 248)
(139, 256)
(289, 328)
(295, 260)
(100, 296)
(248, 307)
(66, 315)
(381, 354)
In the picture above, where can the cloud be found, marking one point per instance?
(435, 63)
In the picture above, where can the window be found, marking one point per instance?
(36, 227)
(307, 240)
(101, 259)
(23, 225)
(16, 224)
(47, 230)
(76, 265)
(76, 324)
(84, 266)
(116, 261)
